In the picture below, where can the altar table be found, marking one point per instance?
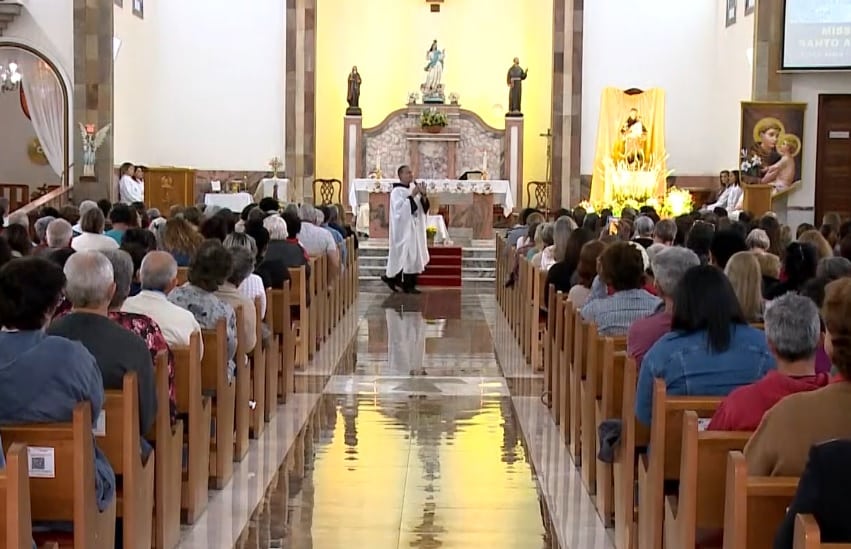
(234, 202)
(266, 189)
(465, 205)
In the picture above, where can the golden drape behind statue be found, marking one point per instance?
(630, 160)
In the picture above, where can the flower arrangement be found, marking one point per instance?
(432, 118)
(675, 202)
(431, 232)
(751, 164)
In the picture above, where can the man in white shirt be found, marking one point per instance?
(317, 241)
(158, 276)
(129, 189)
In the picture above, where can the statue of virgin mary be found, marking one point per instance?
(432, 89)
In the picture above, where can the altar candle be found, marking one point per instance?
(485, 161)
(378, 161)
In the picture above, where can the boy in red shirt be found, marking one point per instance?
(793, 331)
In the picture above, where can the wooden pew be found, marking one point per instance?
(120, 442)
(299, 290)
(565, 368)
(168, 440)
(591, 395)
(69, 495)
(314, 321)
(537, 329)
(182, 275)
(699, 505)
(242, 394)
(257, 423)
(287, 342)
(197, 411)
(607, 405)
(664, 460)
(808, 535)
(754, 507)
(553, 349)
(16, 530)
(633, 436)
(581, 330)
(547, 342)
(214, 382)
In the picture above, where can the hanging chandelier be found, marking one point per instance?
(10, 78)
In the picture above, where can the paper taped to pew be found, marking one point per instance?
(99, 429)
(703, 423)
(40, 461)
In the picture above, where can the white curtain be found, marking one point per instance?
(46, 106)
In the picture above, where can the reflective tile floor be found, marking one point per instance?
(417, 425)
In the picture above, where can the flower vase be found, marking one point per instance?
(433, 129)
(430, 239)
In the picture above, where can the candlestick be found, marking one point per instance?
(485, 161)
(378, 161)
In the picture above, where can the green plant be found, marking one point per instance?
(431, 231)
(431, 117)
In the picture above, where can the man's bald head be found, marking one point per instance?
(158, 272)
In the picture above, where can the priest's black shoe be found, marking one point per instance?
(391, 282)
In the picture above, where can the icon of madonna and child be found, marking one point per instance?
(772, 158)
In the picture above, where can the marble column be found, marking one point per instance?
(92, 95)
(514, 156)
(300, 138)
(567, 101)
(768, 83)
(352, 153)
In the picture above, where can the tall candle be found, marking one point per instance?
(485, 161)
(378, 161)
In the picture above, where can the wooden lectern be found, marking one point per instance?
(167, 187)
(757, 199)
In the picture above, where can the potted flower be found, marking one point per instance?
(433, 121)
(430, 234)
(751, 167)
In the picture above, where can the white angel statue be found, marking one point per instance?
(91, 143)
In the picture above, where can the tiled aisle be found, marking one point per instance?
(409, 431)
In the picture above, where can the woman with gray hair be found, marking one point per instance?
(242, 266)
(252, 286)
(40, 228)
(543, 242)
(758, 241)
(141, 325)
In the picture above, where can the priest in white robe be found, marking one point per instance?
(408, 253)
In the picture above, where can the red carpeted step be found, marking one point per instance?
(444, 267)
(442, 281)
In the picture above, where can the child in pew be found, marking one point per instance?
(780, 445)
(793, 331)
(42, 377)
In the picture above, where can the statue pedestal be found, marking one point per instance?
(514, 155)
(88, 188)
(352, 151)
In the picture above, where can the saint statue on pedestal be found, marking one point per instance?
(633, 138)
(432, 88)
(353, 93)
(515, 79)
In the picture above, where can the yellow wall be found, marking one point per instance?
(388, 39)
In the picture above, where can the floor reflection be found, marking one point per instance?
(404, 471)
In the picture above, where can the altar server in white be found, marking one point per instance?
(408, 253)
(129, 189)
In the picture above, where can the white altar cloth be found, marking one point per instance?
(266, 188)
(234, 202)
(502, 190)
(438, 223)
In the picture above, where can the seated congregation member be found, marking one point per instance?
(548, 256)
(568, 248)
(138, 243)
(158, 276)
(122, 217)
(181, 239)
(40, 230)
(665, 232)
(252, 287)
(85, 206)
(522, 227)
(745, 276)
(92, 237)
(326, 212)
(537, 243)
(209, 270)
(337, 221)
(724, 244)
(817, 241)
(90, 287)
(545, 235)
(141, 325)
(710, 350)
(317, 241)
(219, 225)
(822, 492)
(793, 331)
(274, 268)
(669, 267)
(585, 272)
(242, 266)
(799, 266)
(18, 238)
(338, 238)
(57, 237)
(621, 267)
(644, 227)
(528, 240)
(34, 388)
(699, 239)
(780, 445)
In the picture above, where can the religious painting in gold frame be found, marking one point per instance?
(771, 147)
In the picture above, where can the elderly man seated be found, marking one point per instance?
(158, 276)
(57, 237)
(316, 240)
(90, 288)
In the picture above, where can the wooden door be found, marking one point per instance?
(833, 157)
